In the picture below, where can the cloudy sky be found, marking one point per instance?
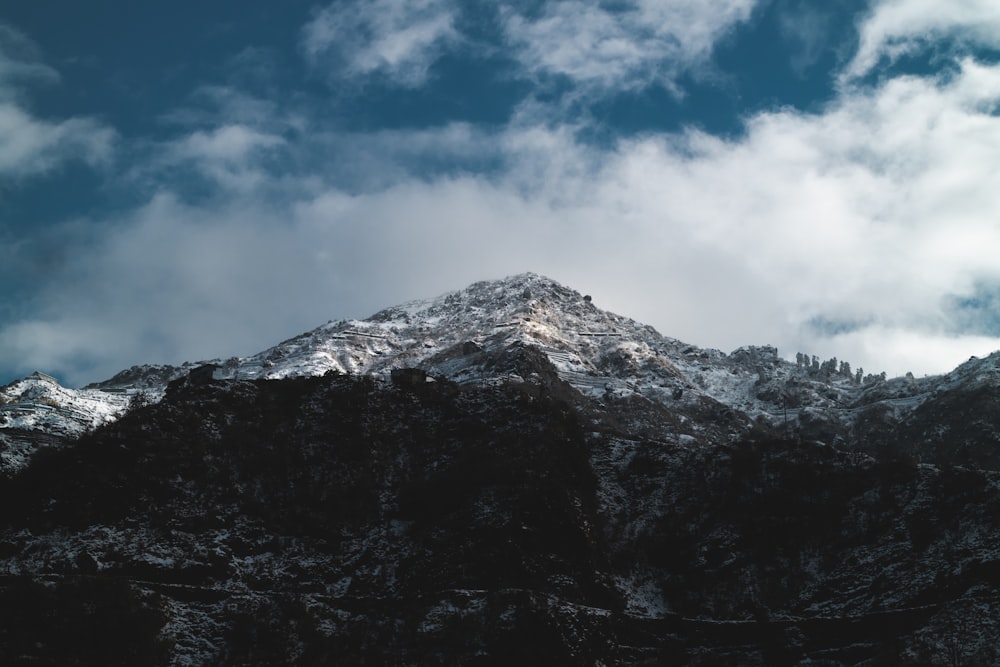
(183, 180)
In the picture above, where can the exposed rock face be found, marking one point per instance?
(548, 498)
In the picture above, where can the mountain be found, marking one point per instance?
(463, 336)
(504, 474)
(36, 412)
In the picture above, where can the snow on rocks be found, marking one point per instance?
(600, 354)
(37, 410)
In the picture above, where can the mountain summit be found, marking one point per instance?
(505, 474)
(468, 337)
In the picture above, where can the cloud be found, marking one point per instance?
(900, 27)
(807, 26)
(398, 40)
(230, 144)
(864, 230)
(592, 43)
(222, 141)
(630, 45)
(232, 156)
(877, 212)
(30, 145)
(169, 282)
(20, 61)
(214, 105)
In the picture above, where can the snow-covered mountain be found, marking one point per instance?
(596, 352)
(37, 411)
(460, 335)
(503, 474)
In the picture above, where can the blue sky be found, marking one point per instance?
(182, 181)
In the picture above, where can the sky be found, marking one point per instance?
(184, 181)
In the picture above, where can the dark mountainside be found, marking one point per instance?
(354, 519)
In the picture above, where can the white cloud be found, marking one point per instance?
(231, 156)
(30, 145)
(232, 140)
(848, 232)
(633, 45)
(806, 25)
(396, 39)
(897, 27)
(873, 211)
(215, 105)
(171, 282)
(871, 216)
(905, 350)
(229, 144)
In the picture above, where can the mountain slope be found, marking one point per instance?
(504, 474)
(37, 411)
(314, 520)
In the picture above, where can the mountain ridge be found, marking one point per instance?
(598, 353)
(504, 474)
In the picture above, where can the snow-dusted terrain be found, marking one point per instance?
(543, 475)
(597, 352)
(600, 354)
(36, 409)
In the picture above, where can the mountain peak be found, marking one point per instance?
(474, 337)
(503, 296)
(527, 306)
(604, 462)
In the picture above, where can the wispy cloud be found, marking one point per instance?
(232, 156)
(224, 140)
(20, 62)
(895, 28)
(214, 105)
(806, 25)
(625, 45)
(29, 144)
(395, 39)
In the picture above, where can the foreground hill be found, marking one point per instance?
(305, 521)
